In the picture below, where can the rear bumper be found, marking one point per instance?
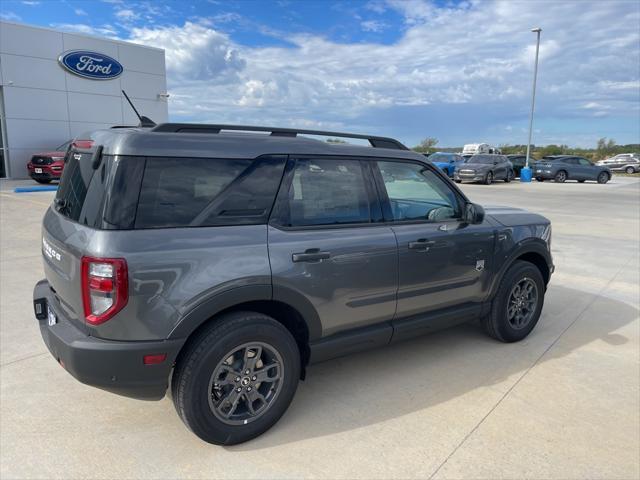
(110, 365)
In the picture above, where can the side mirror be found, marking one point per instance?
(473, 213)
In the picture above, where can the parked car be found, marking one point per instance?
(561, 168)
(485, 168)
(47, 166)
(519, 161)
(624, 162)
(225, 263)
(446, 161)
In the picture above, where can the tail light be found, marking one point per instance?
(105, 288)
(82, 144)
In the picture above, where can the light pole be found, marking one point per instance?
(526, 176)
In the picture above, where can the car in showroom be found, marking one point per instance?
(219, 261)
(44, 167)
(485, 168)
(561, 168)
(446, 161)
(623, 162)
(518, 161)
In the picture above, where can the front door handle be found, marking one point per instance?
(310, 255)
(421, 245)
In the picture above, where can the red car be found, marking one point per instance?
(46, 166)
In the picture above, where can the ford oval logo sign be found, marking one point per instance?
(96, 66)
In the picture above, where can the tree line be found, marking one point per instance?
(604, 148)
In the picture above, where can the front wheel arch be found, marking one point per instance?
(533, 251)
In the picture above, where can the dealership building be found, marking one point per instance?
(56, 85)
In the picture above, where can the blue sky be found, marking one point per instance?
(459, 71)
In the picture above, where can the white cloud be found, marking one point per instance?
(105, 30)
(477, 54)
(10, 16)
(80, 12)
(31, 3)
(373, 26)
(126, 14)
(194, 53)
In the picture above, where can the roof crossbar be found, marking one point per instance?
(376, 142)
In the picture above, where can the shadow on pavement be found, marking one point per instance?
(372, 387)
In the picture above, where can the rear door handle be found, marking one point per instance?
(421, 244)
(310, 255)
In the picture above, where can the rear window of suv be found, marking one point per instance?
(184, 192)
(77, 198)
(126, 192)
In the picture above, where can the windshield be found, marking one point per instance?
(483, 159)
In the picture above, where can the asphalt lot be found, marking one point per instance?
(564, 403)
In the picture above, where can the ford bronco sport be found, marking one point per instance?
(223, 260)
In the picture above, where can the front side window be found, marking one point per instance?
(417, 193)
(326, 192)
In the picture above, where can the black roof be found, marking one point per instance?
(238, 141)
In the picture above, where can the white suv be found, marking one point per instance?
(623, 162)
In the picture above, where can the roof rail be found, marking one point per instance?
(376, 142)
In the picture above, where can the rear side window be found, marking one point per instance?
(325, 192)
(183, 192)
(80, 196)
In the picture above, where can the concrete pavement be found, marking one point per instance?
(564, 403)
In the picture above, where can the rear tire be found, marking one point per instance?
(603, 177)
(539, 179)
(205, 380)
(561, 176)
(580, 181)
(513, 317)
(44, 181)
(630, 170)
(458, 181)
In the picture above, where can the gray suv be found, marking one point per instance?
(485, 168)
(220, 261)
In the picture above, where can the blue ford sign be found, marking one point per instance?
(96, 66)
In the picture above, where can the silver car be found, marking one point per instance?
(623, 162)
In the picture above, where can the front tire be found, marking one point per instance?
(213, 393)
(517, 305)
(539, 179)
(603, 177)
(510, 176)
(43, 181)
(488, 180)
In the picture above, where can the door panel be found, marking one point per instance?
(453, 269)
(325, 244)
(442, 261)
(352, 283)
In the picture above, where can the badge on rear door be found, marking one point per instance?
(51, 317)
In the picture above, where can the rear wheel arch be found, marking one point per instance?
(283, 313)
